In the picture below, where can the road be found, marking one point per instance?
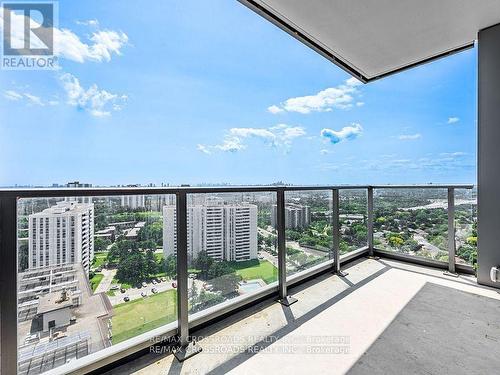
(419, 236)
(135, 293)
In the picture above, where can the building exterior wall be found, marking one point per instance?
(223, 231)
(134, 201)
(61, 318)
(296, 216)
(62, 234)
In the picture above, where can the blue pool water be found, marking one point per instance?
(249, 286)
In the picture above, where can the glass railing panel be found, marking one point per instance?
(412, 221)
(92, 273)
(231, 246)
(353, 219)
(466, 226)
(308, 223)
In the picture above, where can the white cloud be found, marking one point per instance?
(230, 144)
(346, 133)
(409, 137)
(25, 96)
(102, 44)
(325, 152)
(453, 120)
(92, 22)
(105, 43)
(203, 149)
(274, 109)
(33, 99)
(12, 95)
(97, 102)
(443, 161)
(280, 136)
(453, 154)
(360, 104)
(340, 97)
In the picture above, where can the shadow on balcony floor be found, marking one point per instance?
(386, 317)
(441, 330)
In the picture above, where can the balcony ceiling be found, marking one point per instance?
(374, 38)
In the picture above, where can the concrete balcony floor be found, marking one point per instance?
(392, 317)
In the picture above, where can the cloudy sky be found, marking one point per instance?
(208, 92)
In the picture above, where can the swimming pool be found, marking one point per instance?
(249, 286)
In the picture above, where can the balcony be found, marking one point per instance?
(350, 268)
(384, 317)
(372, 279)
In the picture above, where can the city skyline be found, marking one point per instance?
(205, 106)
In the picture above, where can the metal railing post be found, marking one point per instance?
(8, 285)
(336, 232)
(370, 223)
(451, 233)
(186, 348)
(284, 298)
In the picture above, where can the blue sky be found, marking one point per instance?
(208, 92)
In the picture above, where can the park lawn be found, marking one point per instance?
(96, 280)
(254, 269)
(141, 315)
(100, 259)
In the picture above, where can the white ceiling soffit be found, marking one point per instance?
(374, 38)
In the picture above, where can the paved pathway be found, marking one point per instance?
(105, 283)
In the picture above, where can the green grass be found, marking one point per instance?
(100, 259)
(110, 293)
(157, 310)
(255, 269)
(96, 280)
(115, 281)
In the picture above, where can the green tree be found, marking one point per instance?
(218, 269)
(226, 284)
(169, 266)
(203, 262)
(132, 269)
(101, 244)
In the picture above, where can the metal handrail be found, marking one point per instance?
(8, 245)
(110, 191)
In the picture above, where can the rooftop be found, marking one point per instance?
(53, 301)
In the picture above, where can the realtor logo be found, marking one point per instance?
(28, 35)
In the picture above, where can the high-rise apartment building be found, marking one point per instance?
(297, 216)
(134, 201)
(224, 231)
(62, 234)
(79, 199)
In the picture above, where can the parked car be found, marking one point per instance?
(126, 298)
(174, 285)
(122, 290)
(144, 284)
(154, 282)
(163, 279)
(144, 294)
(154, 290)
(114, 287)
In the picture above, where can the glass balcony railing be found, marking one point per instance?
(231, 247)
(92, 273)
(353, 219)
(102, 272)
(466, 226)
(412, 221)
(308, 229)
